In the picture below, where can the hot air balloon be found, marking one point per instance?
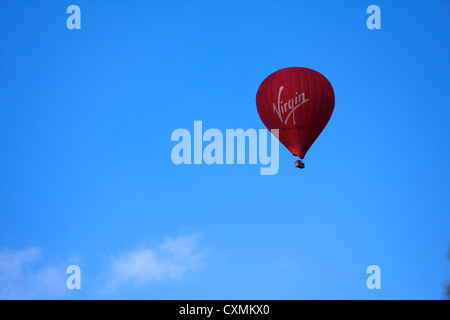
(299, 102)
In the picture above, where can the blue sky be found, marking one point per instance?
(86, 175)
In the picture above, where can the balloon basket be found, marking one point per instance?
(299, 164)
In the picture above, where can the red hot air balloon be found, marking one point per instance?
(299, 102)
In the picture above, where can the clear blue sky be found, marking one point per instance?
(86, 176)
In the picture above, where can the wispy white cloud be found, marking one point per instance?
(172, 259)
(25, 274)
(22, 277)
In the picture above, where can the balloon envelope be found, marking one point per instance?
(297, 101)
